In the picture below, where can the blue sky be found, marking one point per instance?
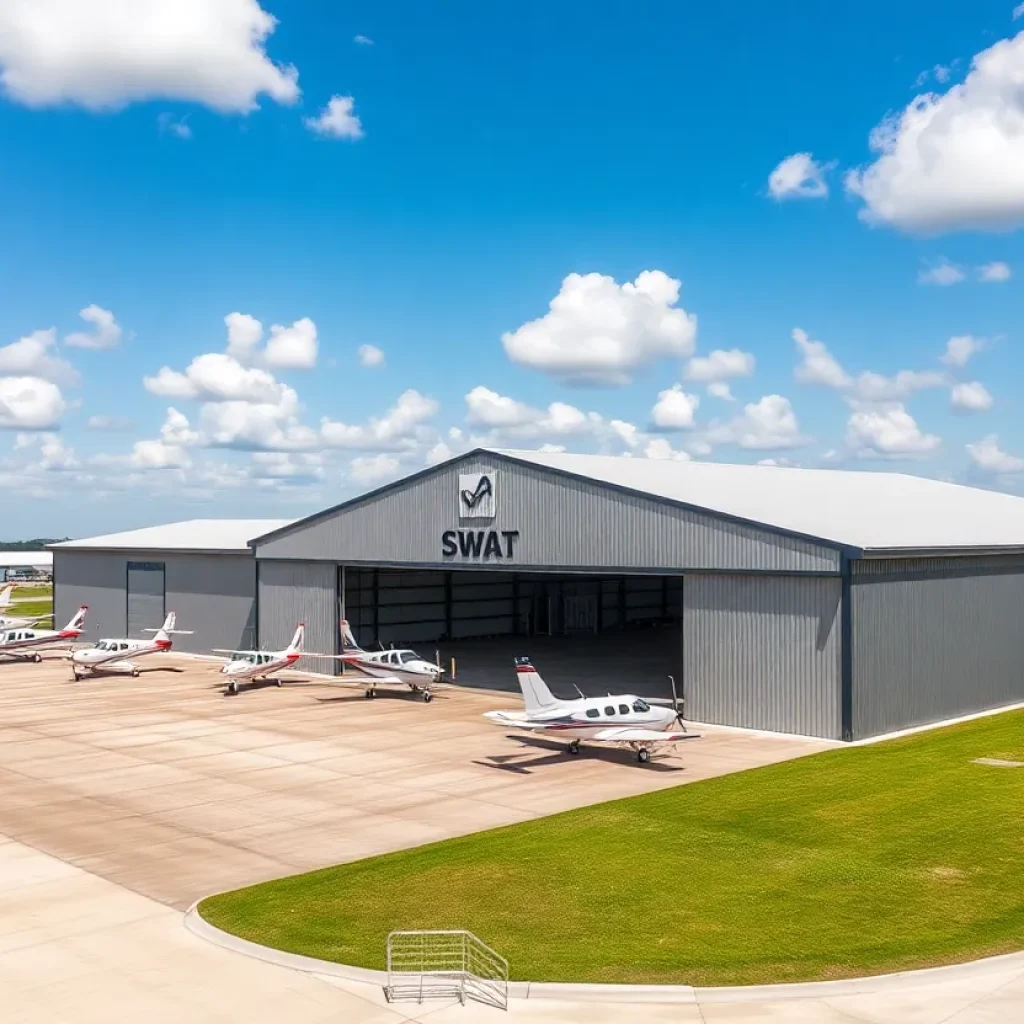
(428, 191)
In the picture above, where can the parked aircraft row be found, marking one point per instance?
(641, 724)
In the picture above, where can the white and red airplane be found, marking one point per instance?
(18, 643)
(116, 656)
(389, 667)
(250, 666)
(618, 719)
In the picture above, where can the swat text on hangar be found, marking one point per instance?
(479, 543)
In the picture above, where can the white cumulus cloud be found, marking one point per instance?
(994, 273)
(971, 397)
(370, 356)
(889, 432)
(398, 429)
(29, 403)
(104, 54)
(373, 469)
(818, 365)
(720, 389)
(988, 456)
(942, 273)
(599, 331)
(799, 176)
(675, 409)
(510, 418)
(106, 332)
(337, 120)
(32, 356)
(952, 160)
(720, 365)
(960, 348)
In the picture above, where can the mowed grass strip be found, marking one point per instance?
(855, 861)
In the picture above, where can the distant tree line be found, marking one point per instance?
(30, 545)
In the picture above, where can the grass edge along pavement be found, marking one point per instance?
(856, 861)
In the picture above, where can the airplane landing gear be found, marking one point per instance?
(278, 682)
(427, 696)
(370, 693)
(37, 658)
(135, 673)
(643, 755)
(574, 747)
(232, 687)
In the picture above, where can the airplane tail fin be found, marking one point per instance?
(348, 640)
(164, 633)
(300, 634)
(5, 597)
(76, 624)
(536, 695)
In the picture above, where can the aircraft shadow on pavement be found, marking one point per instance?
(520, 765)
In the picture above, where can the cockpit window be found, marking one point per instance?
(406, 656)
(623, 709)
(640, 706)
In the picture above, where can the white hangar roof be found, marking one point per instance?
(222, 535)
(25, 559)
(870, 511)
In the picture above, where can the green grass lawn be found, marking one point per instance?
(855, 861)
(30, 600)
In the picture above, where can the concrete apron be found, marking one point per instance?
(687, 994)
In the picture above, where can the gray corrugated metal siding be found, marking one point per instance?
(213, 595)
(294, 592)
(763, 652)
(563, 523)
(929, 649)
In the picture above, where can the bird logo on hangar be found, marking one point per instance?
(477, 499)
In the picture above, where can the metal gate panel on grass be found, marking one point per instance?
(145, 591)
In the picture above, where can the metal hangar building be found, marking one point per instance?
(821, 602)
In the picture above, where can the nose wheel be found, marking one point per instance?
(232, 687)
(643, 755)
(574, 747)
(427, 696)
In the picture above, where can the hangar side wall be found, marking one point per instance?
(563, 524)
(98, 579)
(763, 652)
(935, 639)
(294, 592)
(214, 595)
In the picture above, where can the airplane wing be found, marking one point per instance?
(515, 720)
(232, 650)
(634, 734)
(370, 681)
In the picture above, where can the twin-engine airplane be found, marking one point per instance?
(622, 720)
(19, 643)
(12, 622)
(117, 656)
(389, 667)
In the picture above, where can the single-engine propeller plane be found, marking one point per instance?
(22, 643)
(118, 656)
(389, 667)
(618, 719)
(253, 666)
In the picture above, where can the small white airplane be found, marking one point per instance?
(250, 666)
(618, 719)
(16, 643)
(115, 656)
(389, 667)
(9, 622)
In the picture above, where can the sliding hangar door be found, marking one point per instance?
(603, 588)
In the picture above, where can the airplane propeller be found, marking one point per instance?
(677, 704)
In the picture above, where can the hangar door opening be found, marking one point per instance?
(146, 591)
(591, 631)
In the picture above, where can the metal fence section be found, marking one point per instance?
(445, 965)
